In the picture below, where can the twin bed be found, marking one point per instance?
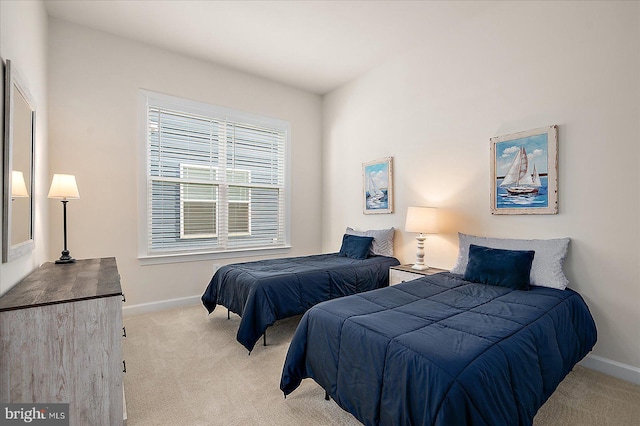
(265, 291)
(441, 350)
(474, 347)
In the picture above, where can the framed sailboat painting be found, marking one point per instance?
(377, 186)
(524, 172)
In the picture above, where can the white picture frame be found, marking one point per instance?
(377, 186)
(524, 172)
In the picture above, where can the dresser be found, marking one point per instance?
(61, 340)
(401, 273)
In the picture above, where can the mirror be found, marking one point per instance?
(19, 140)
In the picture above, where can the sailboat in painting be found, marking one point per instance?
(375, 195)
(519, 180)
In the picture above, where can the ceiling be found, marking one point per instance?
(312, 45)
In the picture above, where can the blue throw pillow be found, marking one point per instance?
(355, 247)
(504, 268)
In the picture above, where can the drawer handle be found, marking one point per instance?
(124, 299)
(124, 332)
(124, 366)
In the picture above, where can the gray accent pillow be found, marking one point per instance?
(546, 269)
(382, 244)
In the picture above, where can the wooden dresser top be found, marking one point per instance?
(51, 284)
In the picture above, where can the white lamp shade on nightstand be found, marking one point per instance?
(64, 187)
(423, 220)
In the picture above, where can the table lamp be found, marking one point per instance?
(422, 220)
(65, 188)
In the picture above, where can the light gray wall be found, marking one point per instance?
(23, 40)
(521, 66)
(93, 81)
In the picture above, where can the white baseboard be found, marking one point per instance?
(144, 308)
(612, 368)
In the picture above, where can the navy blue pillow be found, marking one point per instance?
(504, 268)
(355, 247)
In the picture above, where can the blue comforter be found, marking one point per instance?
(265, 291)
(441, 351)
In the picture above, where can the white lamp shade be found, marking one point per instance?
(422, 219)
(64, 186)
(18, 186)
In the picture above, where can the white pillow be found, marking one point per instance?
(546, 269)
(382, 244)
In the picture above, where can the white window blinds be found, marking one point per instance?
(215, 178)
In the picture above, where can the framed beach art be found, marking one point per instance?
(524, 172)
(377, 186)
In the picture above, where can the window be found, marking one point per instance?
(215, 179)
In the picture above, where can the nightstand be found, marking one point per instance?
(401, 273)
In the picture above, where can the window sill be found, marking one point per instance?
(200, 256)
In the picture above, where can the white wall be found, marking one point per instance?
(520, 66)
(23, 40)
(94, 80)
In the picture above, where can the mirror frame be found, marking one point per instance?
(12, 80)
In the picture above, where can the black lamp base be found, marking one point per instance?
(65, 258)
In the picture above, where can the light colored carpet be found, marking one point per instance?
(186, 368)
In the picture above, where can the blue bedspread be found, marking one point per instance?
(441, 351)
(265, 291)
